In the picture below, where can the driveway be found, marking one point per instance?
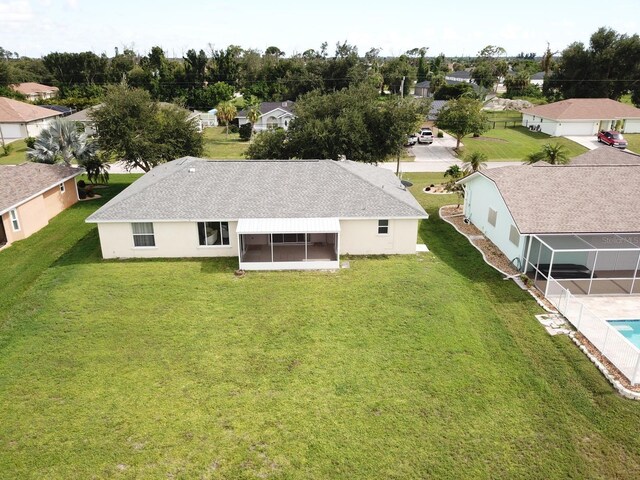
(587, 141)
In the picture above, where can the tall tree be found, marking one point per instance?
(462, 117)
(226, 113)
(142, 133)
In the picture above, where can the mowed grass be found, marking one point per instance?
(515, 143)
(219, 146)
(425, 366)
(18, 153)
(634, 141)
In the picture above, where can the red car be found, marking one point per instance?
(615, 139)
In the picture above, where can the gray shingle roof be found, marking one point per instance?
(19, 183)
(570, 199)
(537, 76)
(266, 107)
(606, 156)
(191, 189)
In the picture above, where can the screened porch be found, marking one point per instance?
(586, 264)
(278, 244)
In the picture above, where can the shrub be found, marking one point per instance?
(82, 184)
(30, 141)
(82, 193)
(440, 134)
(6, 150)
(245, 131)
(233, 128)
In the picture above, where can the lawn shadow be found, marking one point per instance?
(84, 251)
(218, 265)
(529, 133)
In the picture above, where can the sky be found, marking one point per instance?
(455, 28)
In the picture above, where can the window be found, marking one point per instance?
(143, 235)
(289, 238)
(213, 233)
(62, 188)
(493, 217)
(514, 236)
(383, 227)
(15, 224)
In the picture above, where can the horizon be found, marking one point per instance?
(70, 26)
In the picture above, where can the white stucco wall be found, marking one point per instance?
(481, 194)
(360, 237)
(173, 240)
(586, 127)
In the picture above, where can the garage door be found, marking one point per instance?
(11, 131)
(578, 128)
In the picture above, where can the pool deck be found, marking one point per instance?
(612, 307)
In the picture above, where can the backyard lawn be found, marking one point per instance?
(18, 154)
(515, 143)
(219, 146)
(418, 366)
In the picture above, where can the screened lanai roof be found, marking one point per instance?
(590, 242)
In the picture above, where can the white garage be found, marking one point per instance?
(582, 116)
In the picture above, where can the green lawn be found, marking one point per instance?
(18, 154)
(634, 141)
(513, 144)
(218, 145)
(426, 366)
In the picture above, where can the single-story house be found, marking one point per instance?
(537, 79)
(272, 215)
(272, 115)
(35, 91)
(209, 118)
(21, 120)
(423, 89)
(578, 223)
(582, 116)
(31, 194)
(459, 76)
(84, 117)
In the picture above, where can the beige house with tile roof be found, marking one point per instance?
(35, 91)
(31, 194)
(582, 116)
(21, 120)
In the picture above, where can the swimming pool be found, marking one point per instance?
(630, 329)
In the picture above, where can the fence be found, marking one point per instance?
(610, 342)
(505, 123)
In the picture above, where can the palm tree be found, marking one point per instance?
(226, 113)
(61, 141)
(253, 115)
(453, 172)
(475, 162)
(554, 154)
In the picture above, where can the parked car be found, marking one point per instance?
(411, 140)
(426, 136)
(615, 139)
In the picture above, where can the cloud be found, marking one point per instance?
(16, 14)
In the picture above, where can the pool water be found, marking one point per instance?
(630, 329)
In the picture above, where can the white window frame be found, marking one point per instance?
(492, 213)
(222, 239)
(384, 227)
(145, 234)
(15, 222)
(62, 187)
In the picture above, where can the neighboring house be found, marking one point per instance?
(84, 117)
(459, 76)
(582, 116)
(577, 223)
(272, 115)
(423, 89)
(31, 194)
(537, 79)
(209, 118)
(35, 91)
(272, 215)
(21, 120)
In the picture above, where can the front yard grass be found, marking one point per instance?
(634, 141)
(219, 146)
(425, 366)
(18, 153)
(515, 143)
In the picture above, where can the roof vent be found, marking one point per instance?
(285, 104)
(192, 170)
